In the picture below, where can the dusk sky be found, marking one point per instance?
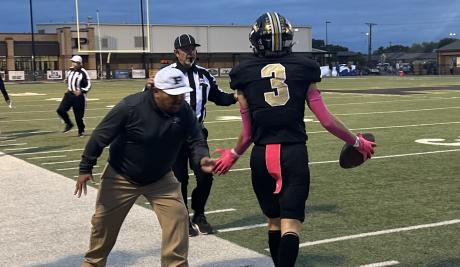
(399, 22)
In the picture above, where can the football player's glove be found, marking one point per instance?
(354, 155)
(271, 35)
(227, 159)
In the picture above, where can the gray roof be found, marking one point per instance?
(452, 46)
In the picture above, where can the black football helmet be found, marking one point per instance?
(271, 35)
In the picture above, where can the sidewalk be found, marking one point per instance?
(43, 224)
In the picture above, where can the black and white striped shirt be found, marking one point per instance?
(78, 79)
(204, 88)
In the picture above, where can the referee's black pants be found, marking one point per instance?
(78, 104)
(203, 180)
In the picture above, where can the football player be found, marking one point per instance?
(272, 88)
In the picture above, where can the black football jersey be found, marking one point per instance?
(275, 89)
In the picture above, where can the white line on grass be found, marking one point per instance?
(46, 152)
(60, 162)
(19, 148)
(48, 157)
(390, 101)
(381, 264)
(234, 138)
(373, 158)
(9, 140)
(94, 174)
(233, 229)
(74, 168)
(17, 144)
(351, 114)
(216, 211)
(382, 232)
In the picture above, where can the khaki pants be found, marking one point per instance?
(115, 198)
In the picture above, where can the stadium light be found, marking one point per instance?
(452, 34)
(369, 47)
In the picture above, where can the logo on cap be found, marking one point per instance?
(185, 40)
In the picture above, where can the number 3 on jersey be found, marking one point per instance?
(280, 95)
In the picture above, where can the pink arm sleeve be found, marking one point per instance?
(327, 120)
(245, 137)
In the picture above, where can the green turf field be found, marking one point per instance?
(402, 206)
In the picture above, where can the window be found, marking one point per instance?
(104, 43)
(138, 41)
(42, 63)
(2, 63)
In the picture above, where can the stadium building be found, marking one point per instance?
(121, 46)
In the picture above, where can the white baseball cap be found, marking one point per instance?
(77, 59)
(171, 81)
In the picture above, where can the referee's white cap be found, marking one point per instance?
(77, 59)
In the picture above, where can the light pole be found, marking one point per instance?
(144, 66)
(100, 44)
(452, 34)
(327, 22)
(33, 39)
(369, 43)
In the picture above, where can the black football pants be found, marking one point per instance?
(203, 180)
(4, 92)
(78, 104)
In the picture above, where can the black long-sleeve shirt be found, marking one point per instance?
(144, 141)
(204, 88)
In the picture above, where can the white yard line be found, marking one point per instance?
(61, 162)
(382, 232)
(373, 158)
(47, 152)
(20, 148)
(381, 264)
(216, 211)
(75, 168)
(48, 119)
(48, 157)
(233, 229)
(9, 140)
(17, 144)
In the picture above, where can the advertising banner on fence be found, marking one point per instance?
(92, 74)
(121, 74)
(138, 74)
(214, 71)
(16, 75)
(224, 71)
(54, 75)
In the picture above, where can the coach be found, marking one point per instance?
(145, 132)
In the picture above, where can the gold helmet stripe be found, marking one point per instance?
(278, 35)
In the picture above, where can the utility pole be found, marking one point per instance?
(327, 22)
(144, 66)
(33, 40)
(369, 48)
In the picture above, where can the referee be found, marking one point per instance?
(204, 88)
(78, 85)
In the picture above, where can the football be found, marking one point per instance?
(350, 157)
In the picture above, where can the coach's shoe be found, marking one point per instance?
(192, 229)
(202, 224)
(68, 127)
(81, 134)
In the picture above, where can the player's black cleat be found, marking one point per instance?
(67, 128)
(192, 229)
(202, 224)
